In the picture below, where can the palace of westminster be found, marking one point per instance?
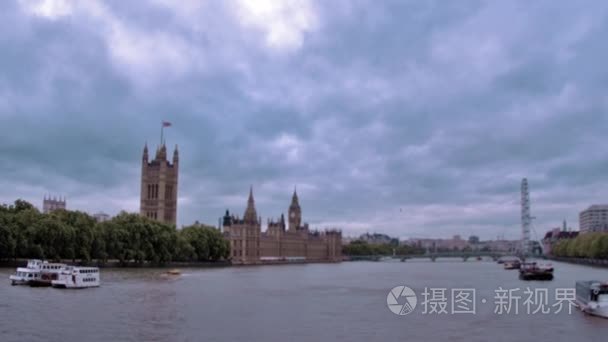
(293, 242)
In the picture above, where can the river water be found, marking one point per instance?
(316, 302)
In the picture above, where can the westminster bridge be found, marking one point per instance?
(431, 255)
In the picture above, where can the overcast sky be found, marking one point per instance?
(411, 118)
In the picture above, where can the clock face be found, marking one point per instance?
(293, 214)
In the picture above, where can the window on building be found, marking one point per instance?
(168, 191)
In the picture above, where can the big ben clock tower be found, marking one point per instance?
(295, 213)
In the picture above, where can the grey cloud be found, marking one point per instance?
(411, 118)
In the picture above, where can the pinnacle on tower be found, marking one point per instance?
(251, 215)
(145, 155)
(175, 155)
(162, 152)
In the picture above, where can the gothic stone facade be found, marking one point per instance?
(49, 204)
(158, 198)
(249, 245)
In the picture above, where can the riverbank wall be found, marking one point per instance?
(582, 261)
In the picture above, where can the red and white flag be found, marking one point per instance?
(166, 124)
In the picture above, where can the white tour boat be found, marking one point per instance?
(48, 273)
(25, 275)
(36, 273)
(592, 297)
(74, 277)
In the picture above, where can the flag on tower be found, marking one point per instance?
(162, 127)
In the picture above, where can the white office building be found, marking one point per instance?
(594, 219)
(101, 216)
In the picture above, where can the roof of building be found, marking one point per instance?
(598, 207)
(561, 235)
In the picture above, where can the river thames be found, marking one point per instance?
(315, 302)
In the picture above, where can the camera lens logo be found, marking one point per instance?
(401, 300)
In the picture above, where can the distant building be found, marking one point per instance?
(377, 239)
(594, 219)
(101, 217)
(249, 245)
(456, 243)
(49, 204)
(346, 240)
(199, 224)
(500, 245)
(555, 235)
(158, 198)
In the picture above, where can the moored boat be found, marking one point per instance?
(592, 297)
(534, 271)
(73, 277)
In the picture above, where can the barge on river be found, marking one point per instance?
(534, 271)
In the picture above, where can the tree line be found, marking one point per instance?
(127, 238)
(588, 245)
(360, 247)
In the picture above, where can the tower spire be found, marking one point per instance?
(175, 155)
(294, 198)
(251, 215)
(295, 212)
(145, 155)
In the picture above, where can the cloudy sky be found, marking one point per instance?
(412, 118)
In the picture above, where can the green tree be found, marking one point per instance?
(65, 234)
(8, 244)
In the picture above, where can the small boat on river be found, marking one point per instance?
(174, 272)
(505, 259)
(512, 265)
